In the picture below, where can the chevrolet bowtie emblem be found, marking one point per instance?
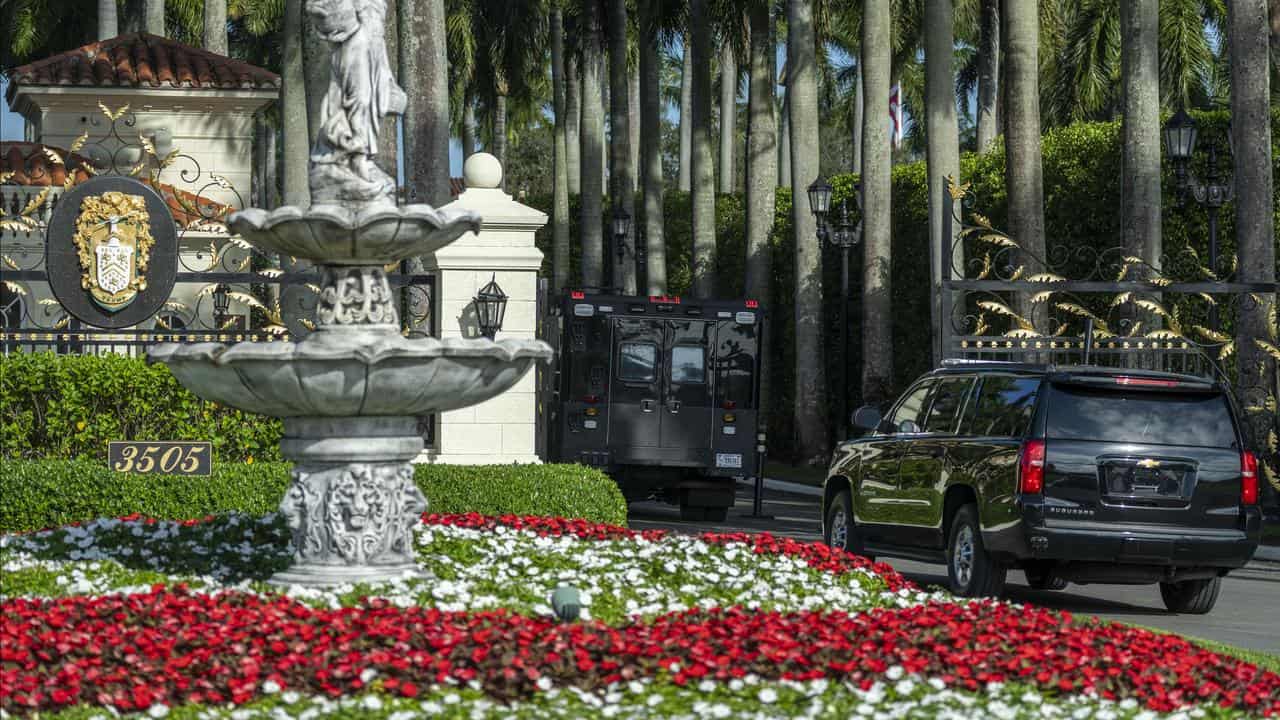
(1148, 463)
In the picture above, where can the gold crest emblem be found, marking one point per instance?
(1148, 463)
(113, 240)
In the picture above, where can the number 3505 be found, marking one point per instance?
(168, 458)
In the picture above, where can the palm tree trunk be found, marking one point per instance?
(154, 17)
(702, 162)
(215, 26)
(293, 109)
(133, 20)
(592, 137)
(1275, 40)
(1023, 174)
(859, 107)
(683, 178)
(1255, 213)
(784, 143)
(802, 99)
(270, 169)
(988, 74)
(728, 114)
(469, 121)
(560, 204)
(943, 151)
(651, 149)
(877, 305)
(108, 19)
(573, 120)
(762, 172)
(389, 138)
(622, 173)
(425, 69)
(1140, 198)
(633, 123)
(499, 130)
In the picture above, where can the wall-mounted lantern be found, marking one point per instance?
(491, 307)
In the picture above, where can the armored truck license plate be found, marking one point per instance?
(728, 460)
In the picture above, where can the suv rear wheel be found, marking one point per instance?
(839, 529)
(971, 571)
(1195, 597)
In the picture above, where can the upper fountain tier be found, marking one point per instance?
(377, 233)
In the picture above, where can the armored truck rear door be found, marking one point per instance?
(686, 406)
(635, 394)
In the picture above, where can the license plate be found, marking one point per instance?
(728, 460)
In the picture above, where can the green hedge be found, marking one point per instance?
(70, 406)
(1082, 191)
(48, 493)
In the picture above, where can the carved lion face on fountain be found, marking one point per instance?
(357, 502)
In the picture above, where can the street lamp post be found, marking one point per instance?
(844, 234)
(1180, 135)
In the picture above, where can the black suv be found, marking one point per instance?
(1071, 474)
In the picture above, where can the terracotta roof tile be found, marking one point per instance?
(143, 60)
(31, 167)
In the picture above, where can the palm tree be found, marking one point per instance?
(215, 26)
(633, 120)
(1023, 174)
(1255, 213)
(651, 146)
(108, 19)
(802, 101)
(293, 109)
(728, 106)
(988, 74)
(1140, 197)
(573, 120)
(684, 180)
(877, 307)
(560, 205)
(702, 165)
(784, 136)
(424, 68)
(762, 166)
(943, 148)
(622, 172)
(592, 137)
(154, 15)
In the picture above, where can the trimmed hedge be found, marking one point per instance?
(48, 493)
(70, 406)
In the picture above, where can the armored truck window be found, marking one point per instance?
(1004, 407)
(688, 364)
(945, 408)
(1199, 420)
(638, 362)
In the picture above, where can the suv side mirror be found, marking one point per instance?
(867, 418)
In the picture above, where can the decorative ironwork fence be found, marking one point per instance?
(1104, 306)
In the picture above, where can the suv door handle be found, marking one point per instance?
(646, 406)
(674, 406)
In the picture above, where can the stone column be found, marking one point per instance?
(500, 430)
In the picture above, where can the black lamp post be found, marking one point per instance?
(844, 234)
(491, 307)
(221, 303)
(621, 226)
(1180, 135)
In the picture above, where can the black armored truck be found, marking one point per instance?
(659, 392)
(1070, 473)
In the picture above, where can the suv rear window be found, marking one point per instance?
(1004, 406)
(1082, 413)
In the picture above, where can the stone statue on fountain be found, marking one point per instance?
(362, 89)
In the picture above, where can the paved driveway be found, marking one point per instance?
(1244, 615)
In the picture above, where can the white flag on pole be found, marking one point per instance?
(895, 113)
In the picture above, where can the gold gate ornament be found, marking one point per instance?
(113, 241)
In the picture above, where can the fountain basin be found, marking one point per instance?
(377, 234)
(346, 374)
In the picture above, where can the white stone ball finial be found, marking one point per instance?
(482, 170)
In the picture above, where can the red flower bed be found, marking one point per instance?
(174, 646)
(818, 555)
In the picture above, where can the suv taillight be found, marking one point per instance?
(1031, 468)
(1248, 478)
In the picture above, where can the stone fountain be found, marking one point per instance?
(351, 392)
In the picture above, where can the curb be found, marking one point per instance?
(782, 486)
(1266, 554)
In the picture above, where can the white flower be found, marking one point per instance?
(368, 674)
(544, 683)
(371, 702)
(895, 673)
(767, 695)
(270, 687)
(158, 710)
